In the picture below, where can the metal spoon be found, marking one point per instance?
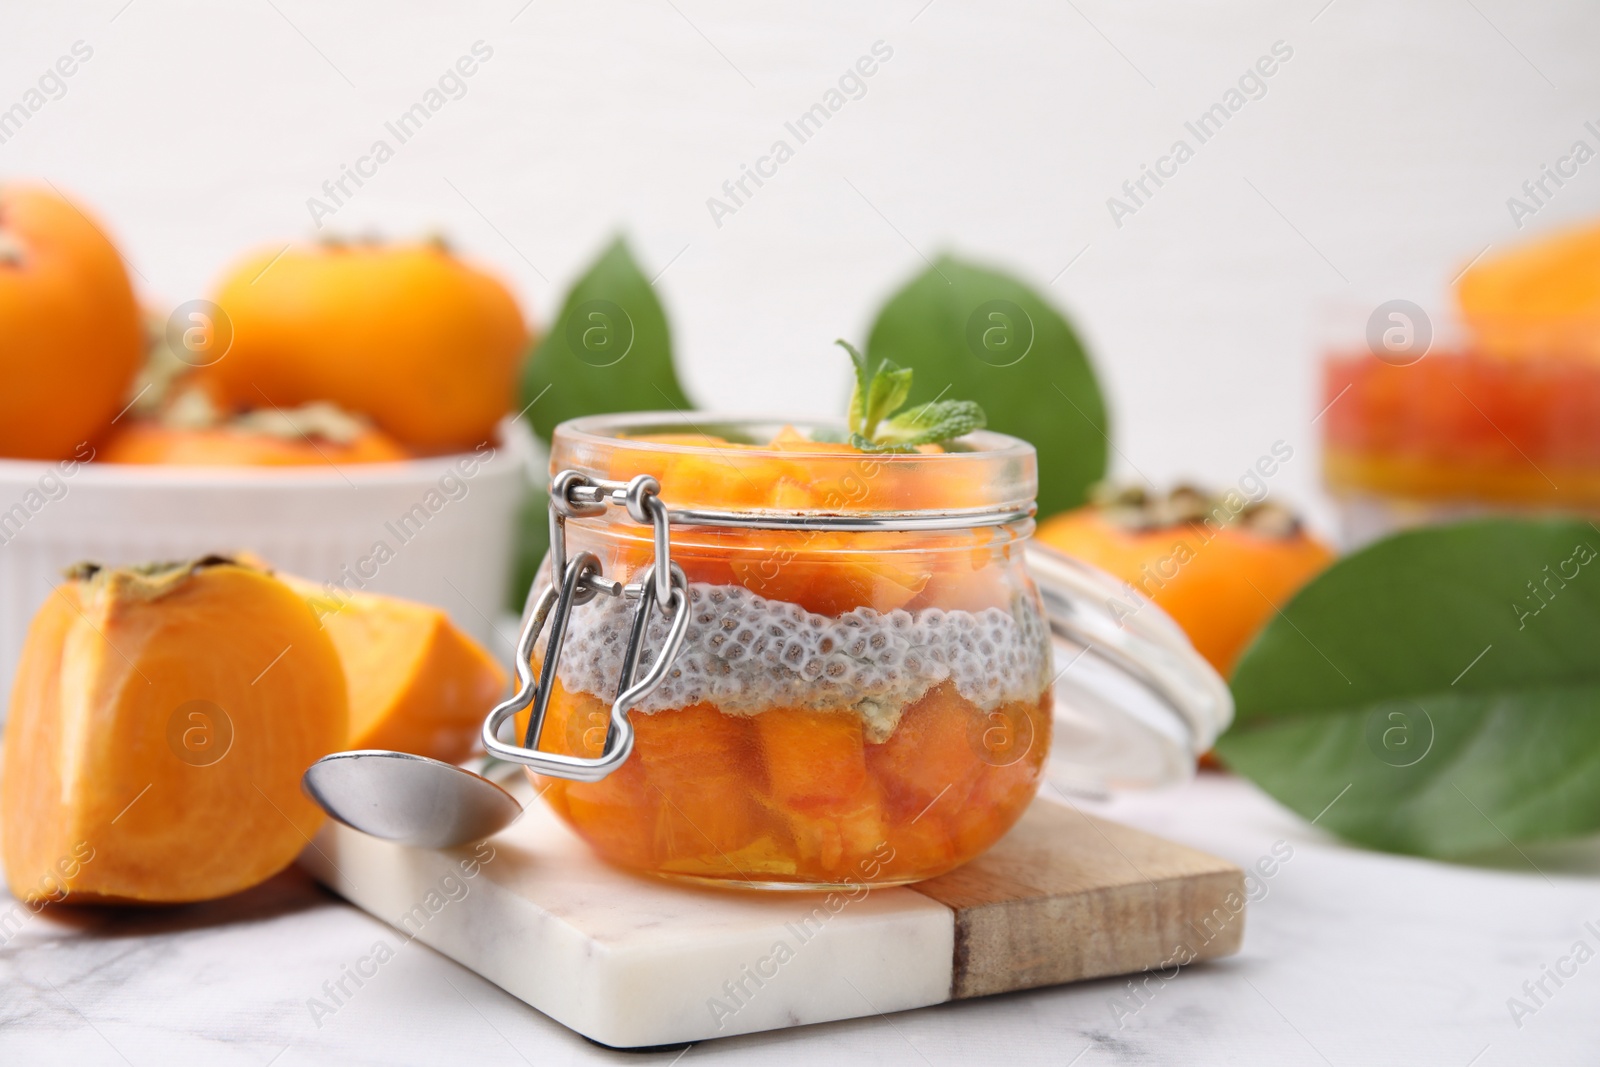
(411, 800)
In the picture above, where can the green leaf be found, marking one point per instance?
(927, 423)
(975, 333)
(533, 541)
(862, 389)
(1435, 693)
(608, 350)
(890, 387)
(867, 444)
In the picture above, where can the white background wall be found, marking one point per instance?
(1378, 162)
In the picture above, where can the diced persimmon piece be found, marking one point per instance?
(160, 721)
(966, 581)
(689, 478)
(1008, 779)
(815, 759)
(832, 586)
(922, 847)
(611, 814)
(702, 766)
(575, 724)
(930, 756)
(816, 767)
(832, 839)
(818, 572)
(417, 683)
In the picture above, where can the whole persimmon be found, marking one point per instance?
(409, 335)
(70, 334)
(309, 436)
(1220, 571)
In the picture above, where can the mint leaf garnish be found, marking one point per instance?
(877, 424)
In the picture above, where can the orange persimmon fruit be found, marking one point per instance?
(816, 764)
(1220, 581)
(146, 442)
(160, 721)
(1539, 298)
(72, 329)
(413, 337)
(417, 683)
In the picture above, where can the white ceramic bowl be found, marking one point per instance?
(438, 530)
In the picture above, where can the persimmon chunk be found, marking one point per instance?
(930, 755)
(922, 844)
(700, 764)
(611, 814)
(417, 683)
(832, 586)
(160, 721)
(832, 839)
(815, 760)
(800, 796)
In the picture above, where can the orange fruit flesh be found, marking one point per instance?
(417, 683)
(792, 795)
(1537, 299)
(159, 728)
(828, 573)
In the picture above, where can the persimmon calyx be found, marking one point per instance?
(12, 254)
(1137, 509)
(192, 409)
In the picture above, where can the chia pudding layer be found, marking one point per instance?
(745, 653)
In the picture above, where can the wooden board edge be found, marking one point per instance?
(1014, 945)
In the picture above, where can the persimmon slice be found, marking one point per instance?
(160, 721)
(417, 683)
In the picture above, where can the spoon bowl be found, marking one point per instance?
(411, 800)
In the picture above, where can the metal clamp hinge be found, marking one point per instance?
(661, 587)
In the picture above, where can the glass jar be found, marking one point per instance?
(862, 693)
(1457, 434)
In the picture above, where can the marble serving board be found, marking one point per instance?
(633, 962)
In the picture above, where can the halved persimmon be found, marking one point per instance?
(160, 722)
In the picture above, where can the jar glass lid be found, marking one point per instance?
(1135, 704)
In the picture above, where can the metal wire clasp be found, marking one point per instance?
(661, 587)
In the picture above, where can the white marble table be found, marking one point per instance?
(1350, 958)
